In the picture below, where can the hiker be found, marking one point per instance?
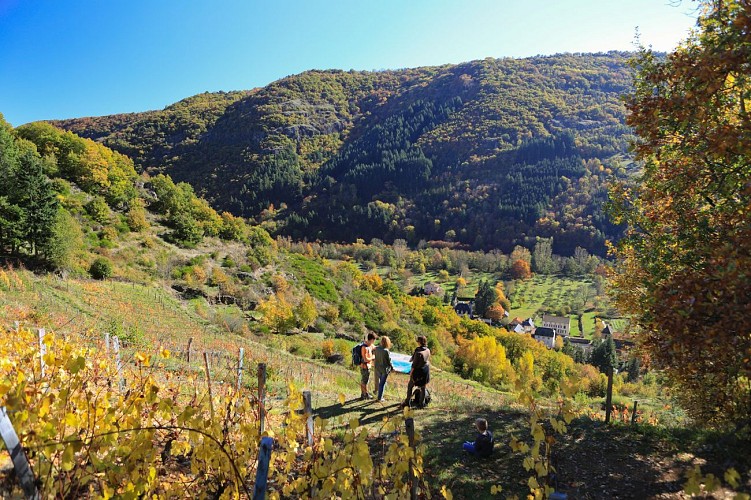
(419, 375)
(383, 365)
(483, 444)
(366, 366)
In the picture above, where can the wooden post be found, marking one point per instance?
(42, 350)
(410, 422)
(240, 358)
(17, 325)
(262, 471)
(17, 454)
(609, 397)
(107, 343)
(208, 381)
(118, 360)
(261, 398)
(190, 344)
(308, 416)
(633, 412)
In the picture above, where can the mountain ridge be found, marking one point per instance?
(358, 154)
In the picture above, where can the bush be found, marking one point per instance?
(101, 269)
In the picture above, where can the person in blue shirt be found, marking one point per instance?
(483, 444)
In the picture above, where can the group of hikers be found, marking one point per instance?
(376, 359)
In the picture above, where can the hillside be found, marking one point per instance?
(488, 153)
(170, 272)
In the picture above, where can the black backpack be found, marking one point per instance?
(357, 354)
(421, 398)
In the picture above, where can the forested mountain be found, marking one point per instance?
(488, 153)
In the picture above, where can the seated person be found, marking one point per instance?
(483, 445)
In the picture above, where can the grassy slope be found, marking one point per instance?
(651, 459)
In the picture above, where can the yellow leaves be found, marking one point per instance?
(732, 477)
(446, 493)
(541, 470)
(538, 433)
(44, 408)
(558, 426)
(75, 364)
(532, 483)
(79, 394)
(496, 489)
(67, 461)
(342, 398)
(142, 359)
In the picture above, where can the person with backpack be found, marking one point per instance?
(362, 355)
(383, 365)
(419, 375)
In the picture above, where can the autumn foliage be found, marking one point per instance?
(683, 269)
(521, 270)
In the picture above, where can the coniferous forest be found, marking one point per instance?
(486, 154)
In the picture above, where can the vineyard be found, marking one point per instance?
(177, 411)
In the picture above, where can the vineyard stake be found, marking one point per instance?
(308, 416)
(107, 343)
(609, 397)
(42, 350)
(633, 413)
(262, 471)
(410, 423)
(261, 397)
(18, 456)
(208, 381)
(118, 361)
(190, 343)
(240, 367)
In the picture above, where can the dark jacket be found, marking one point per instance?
(420, 372)
(484, 444)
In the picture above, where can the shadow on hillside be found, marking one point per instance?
(368, 411)
(592, 461)
(467, 476)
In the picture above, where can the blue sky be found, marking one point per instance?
(72, 58)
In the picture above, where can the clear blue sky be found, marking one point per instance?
(73, 58)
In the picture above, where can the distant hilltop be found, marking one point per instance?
(484, 154)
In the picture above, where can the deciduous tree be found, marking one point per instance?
(520, 270)
(683, 268)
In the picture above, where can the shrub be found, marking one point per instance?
(101, 269)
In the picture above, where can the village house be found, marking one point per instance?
(546, 336)
(528, 326)
(515, 327)
(561, 325)
(432, 288)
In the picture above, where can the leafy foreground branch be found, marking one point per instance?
(87, 437)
